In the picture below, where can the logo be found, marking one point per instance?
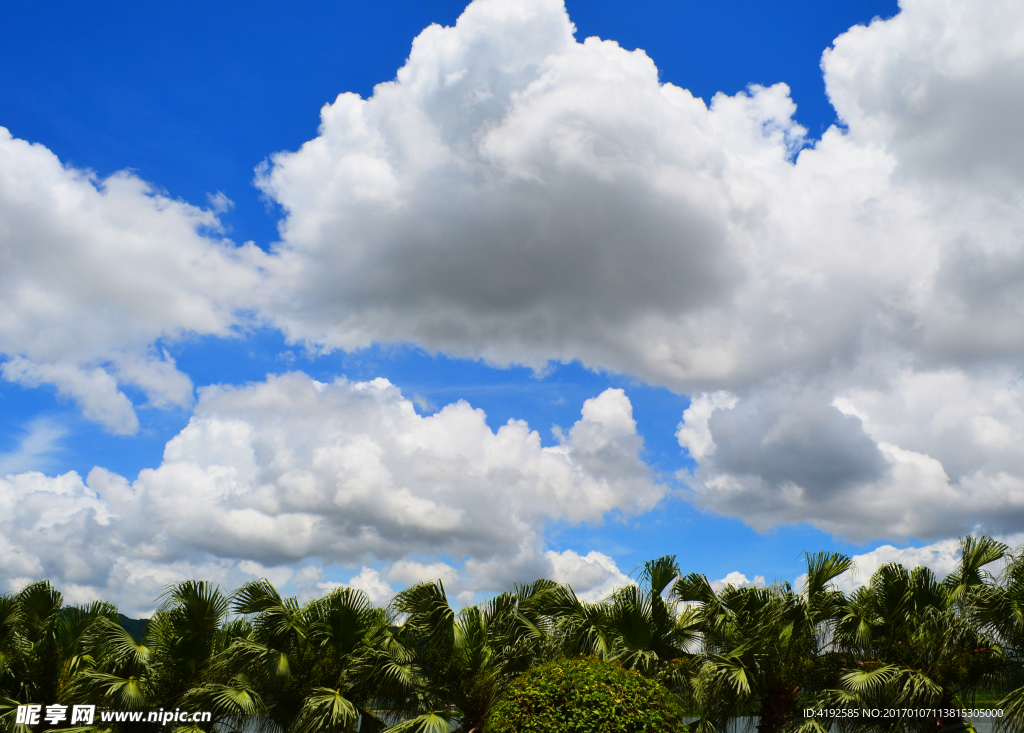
(30, 714)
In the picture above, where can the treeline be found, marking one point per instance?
(260, 661)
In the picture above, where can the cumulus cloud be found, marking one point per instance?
(940, 557)
(375, 587)
(277, 576)
(929, 454)
(845, 313)
(519, 195)
(94, 272)
(269, 476)
(504, 198)
(593, 576)
(928, 80)
(737, 579)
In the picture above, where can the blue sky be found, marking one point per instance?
(194, 98)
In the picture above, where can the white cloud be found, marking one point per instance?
(277, 576)
(58, 528)
(410, 572)
(593, 576)
(738, 580)
(95, 390)
(504, 198)
(93, 273)
(929, 454)
(369, 581)
(940, 557)
(291, 467)
(518, 195)
(927, 81)
(272, 475)
(693, 433)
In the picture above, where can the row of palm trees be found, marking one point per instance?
(260, 661)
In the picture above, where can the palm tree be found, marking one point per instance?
(44, 645)
(998, 607)
(457, 665)
(312, 667)
(12, 647)
(917, 641)
(581, 628)
(636, 627)
(177, 654)
(762, 647)
(650, 637)
(497, 641)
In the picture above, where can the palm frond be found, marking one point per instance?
(326, 711)
(869, 680)
(431, 722)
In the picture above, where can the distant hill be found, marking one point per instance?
(134, 626)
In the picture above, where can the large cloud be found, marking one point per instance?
(929, 454)
(281, 477)
(93, 273)
(848, 317)
(518, 195)
(912, 426)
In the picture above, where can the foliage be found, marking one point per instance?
(177, 655)
(585, 695)
(464, 661)
(259, 661)
(761, 647)
(45, 646)
(299, 667)
(917, 641)
(637, 627)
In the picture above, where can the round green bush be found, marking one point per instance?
(585, 696)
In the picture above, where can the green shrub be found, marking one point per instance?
(585, 696)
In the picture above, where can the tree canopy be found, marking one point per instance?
(666, 644)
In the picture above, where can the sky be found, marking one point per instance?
(377, 293)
